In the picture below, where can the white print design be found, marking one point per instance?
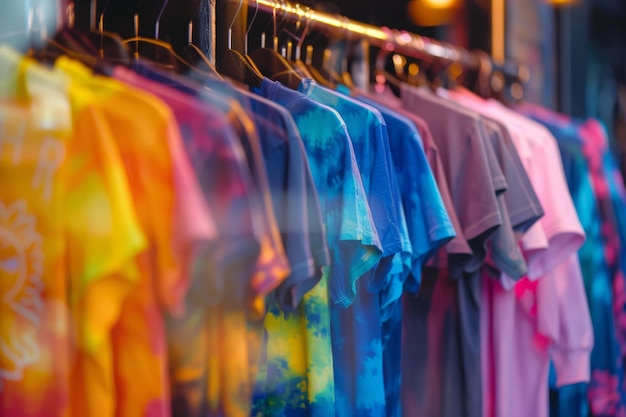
(21, 286)
(51, 157)
(12, 141)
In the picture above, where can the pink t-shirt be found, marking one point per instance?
(546, 315)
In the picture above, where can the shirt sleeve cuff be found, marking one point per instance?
(572, 367)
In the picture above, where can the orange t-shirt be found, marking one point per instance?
(67, 230)
(175, 218)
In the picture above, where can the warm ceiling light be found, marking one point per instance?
(431, 12)
(439, 4)
(562, 2)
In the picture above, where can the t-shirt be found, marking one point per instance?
(557, 234)
(201, 378)
(357, 349)
(369, 137)
(429, 229)
(458, 246)
(267, 131)
(600, 270)
(446, 312)
(300, 375)
(271, 266)
(152, 171)
(294, 197)
(428, 221)
(519, 205)
(605, 356)
(70, 236)
(535, 310)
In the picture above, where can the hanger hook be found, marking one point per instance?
(256, 11)
(274, 18)
(70, 14)
(232, 23)
(157, 25)
(92, 14)
(305, 32)
(101, 17)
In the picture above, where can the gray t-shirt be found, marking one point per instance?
(521, 200)
(504, 254)
(519, 205)
(469, 169)
(441, 326)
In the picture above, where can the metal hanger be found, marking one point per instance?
(200, 60)
(273, 65)
(160, 52)
(298, 64)
(70, 14)
(236, 66)
(247, 37)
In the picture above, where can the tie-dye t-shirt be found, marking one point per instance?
(429, 228)
(68, 236)
(300, 373)
(369, 137)
(271, 266)
(265, 131)
(357, 349)
(605, 356)
(294, 197)
(202, 380)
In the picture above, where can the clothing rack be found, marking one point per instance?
(391, 40)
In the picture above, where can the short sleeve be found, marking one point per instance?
(560, 223)
(353, 243)
(194, 226)
(475, 197)
(103, 214)
(522, 202)
(458, 245)
(296, 209)
(563, 316)
(359, 248)
(428, 220)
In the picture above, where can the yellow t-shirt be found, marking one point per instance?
(143, 128)
(68, 229)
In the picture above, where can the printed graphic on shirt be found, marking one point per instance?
(21, 265)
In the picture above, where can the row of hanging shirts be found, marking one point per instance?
(255, 242)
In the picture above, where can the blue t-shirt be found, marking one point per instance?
(354, 244)
(429, 225)
(429, 228)
(356, 330)
(368, 133)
